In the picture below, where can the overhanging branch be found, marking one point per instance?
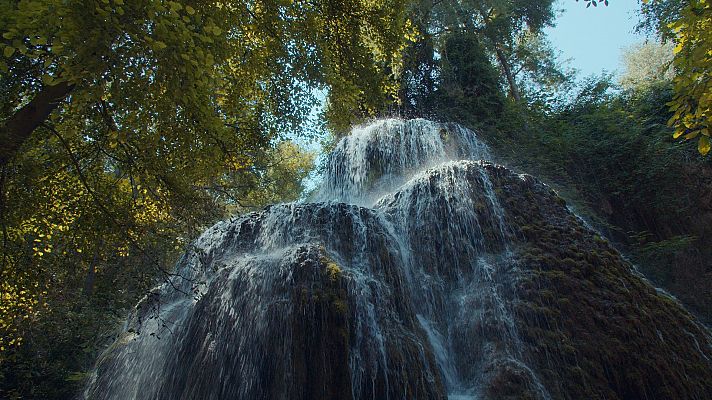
(18, 128)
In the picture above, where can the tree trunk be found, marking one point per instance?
(20, 126)
(507, 72)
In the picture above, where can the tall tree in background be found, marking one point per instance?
(420, 69)
(647, 64)
(509, 32)
(469, 87)
(501, 25)
(505, 24)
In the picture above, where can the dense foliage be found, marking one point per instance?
(692, 104)
(508, 33)
(469, 90)
(127, 126)
(689, 25)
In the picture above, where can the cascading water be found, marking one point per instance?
(420, 273)
(376, 159)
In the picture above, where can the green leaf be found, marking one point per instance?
(703, 146)
(9, 51)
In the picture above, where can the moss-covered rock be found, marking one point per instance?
(469, 280)
(593, 327)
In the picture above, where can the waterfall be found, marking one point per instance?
(376, 159)
(401, 281)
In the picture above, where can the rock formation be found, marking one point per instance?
(422, 271)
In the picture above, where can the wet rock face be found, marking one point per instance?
(463, 281)
(287, 322)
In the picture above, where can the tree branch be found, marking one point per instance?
(3, 213)
(125, 228)
(18, 128)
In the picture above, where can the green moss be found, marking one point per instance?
(333, 271)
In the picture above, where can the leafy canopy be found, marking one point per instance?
(126, 126)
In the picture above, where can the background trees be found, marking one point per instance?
(506, 33)
(647, 64)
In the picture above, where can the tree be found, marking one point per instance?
(507, 30)
(535, 65)
(647, 64)
(500, 24)
(469, 88)
(657, 15)
(126, 126)
(204, 64)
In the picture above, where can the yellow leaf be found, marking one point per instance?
(703, 145)
(692, 135)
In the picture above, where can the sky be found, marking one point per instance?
(593, 38)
